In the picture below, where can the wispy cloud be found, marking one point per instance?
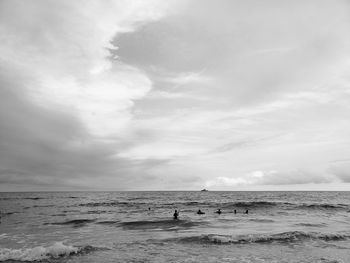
(188, 78)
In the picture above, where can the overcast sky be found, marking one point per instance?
(174, 95)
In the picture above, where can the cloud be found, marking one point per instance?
(341, 170)
(277, 99)
(177, 94)
(188, 78)
(65, 102)
(271, 178)
(252, 53)
(66, 48)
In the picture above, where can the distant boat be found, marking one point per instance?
(204, 190)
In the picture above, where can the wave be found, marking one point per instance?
(58, 215)
(169, 224)
(113, 203)
(285, 237)
(96, 212)
(36, 198)
(267, 204)
(94, 204)
(254, 204)
(232, 205)
(57, 250)
(111, 222)
(229, 206)
(271, 204)
(195, 203)
(33, 198)
(262, 220)
(311, 224)
(187, 203)
(70, 211)
(35, 206)
(323, 206)
(7, 213)
(139, 198)
(20, 198)
(74, 222)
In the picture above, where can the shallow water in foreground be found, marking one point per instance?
(118, 227)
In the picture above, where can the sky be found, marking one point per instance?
(174, 95)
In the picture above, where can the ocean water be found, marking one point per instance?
(119, 227)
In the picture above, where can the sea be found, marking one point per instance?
(139, 227)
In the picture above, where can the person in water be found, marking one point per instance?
(246, 211)
(176, 214)
(235, 211)
(218, 211)
(199, 212)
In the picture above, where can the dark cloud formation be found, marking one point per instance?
(44, 148)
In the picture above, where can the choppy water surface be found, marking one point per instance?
(119, 227)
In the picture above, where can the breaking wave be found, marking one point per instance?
(285, 237)
(323, 206)
(161, 224)
(39, 253)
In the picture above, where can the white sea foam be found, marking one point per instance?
(38, 253)
(285, 237)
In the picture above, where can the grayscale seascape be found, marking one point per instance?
(175, 131)
(119, 227)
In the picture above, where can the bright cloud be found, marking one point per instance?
(66, 47)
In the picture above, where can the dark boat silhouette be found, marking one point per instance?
(204, 190)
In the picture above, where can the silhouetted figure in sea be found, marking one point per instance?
(149, 209)
(235, 211)
(199, 212)
(218, 211)
(176, 214)
(246, 211)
